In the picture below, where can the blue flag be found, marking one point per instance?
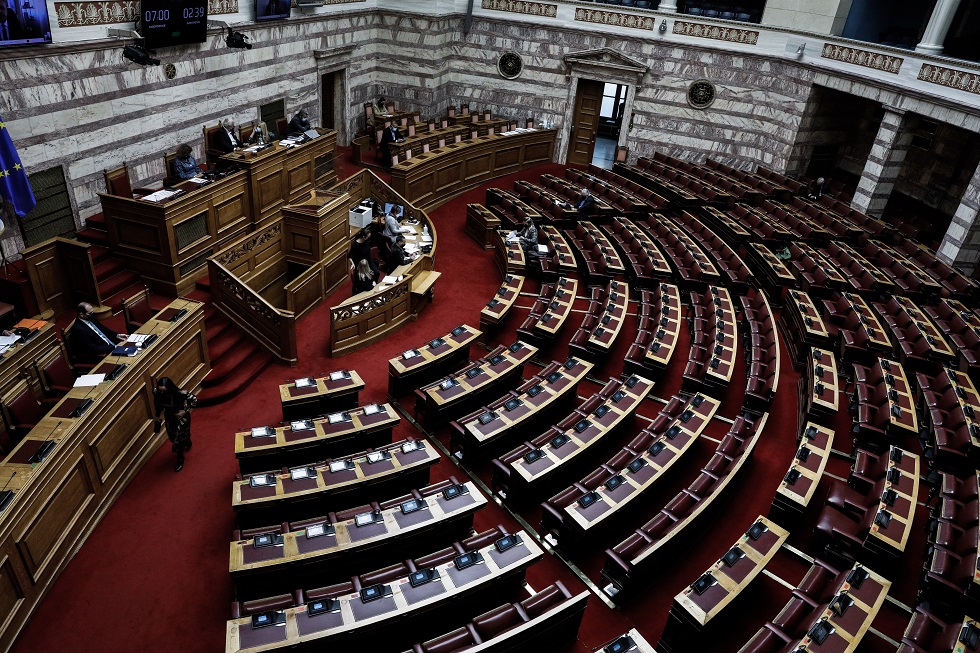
(14, 186)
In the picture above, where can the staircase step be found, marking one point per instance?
(244, 375)
(107, 267)
(98, 253)
(204, 283)
(199, 295)
(94, 236)
(115, 300)
(224, 342)
(214, 328)
(116, 283)
(227, 363)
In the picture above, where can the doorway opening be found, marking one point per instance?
(610, 124)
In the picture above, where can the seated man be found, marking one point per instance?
(299, 124)
(398, 256)
(90, 340)
(584, 206)
(225, 139)
(527, 237)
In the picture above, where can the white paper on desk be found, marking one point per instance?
(411, 249)
(337, 376)
(199, 180)
(158, 196)
(4, 349)
(371, 409)
(87, 380)
(6, 341)
(409, 236)
(137, 338)
(543, 249)
(390, 280)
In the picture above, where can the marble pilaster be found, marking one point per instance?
(961, 243)
(884, 163)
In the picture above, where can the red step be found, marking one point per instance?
(245, 373)
(94, 236)
(96, 221)
(228, 363)
(107, 267)
(222, 342)
(115, 301)
(116, 283)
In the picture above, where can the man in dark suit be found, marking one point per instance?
(585, 205)
(90, 340)
(389, 135)
(398, 256)
(225, 139)
(300, 123)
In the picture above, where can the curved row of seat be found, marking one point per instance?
(599, 178)
(602, 322)
(658, 330)
(962, 327)
(761, 352)
(692, 264)
(646, 263)
(714, 339)
(732, 269)
(550, 311)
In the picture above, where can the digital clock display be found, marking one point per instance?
(173, 22)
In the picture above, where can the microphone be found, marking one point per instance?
(46, 446)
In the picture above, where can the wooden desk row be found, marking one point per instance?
(665, 325)
(804, 326)
(22, 360)
(321, 551)
(800, 483)
(488, 429)
(298, 493)
(820, 388)
(550, 456)
(309, 440)
(508, 255)
(349, 618)
(310, 397)
(430, 179)
(448, 398)
(558, 251)
(416, 367)
(499, 307)
(890, 534)
(550, 311)
(56, 503)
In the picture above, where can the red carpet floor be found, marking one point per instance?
(153, 575)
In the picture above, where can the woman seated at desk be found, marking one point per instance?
(184, 165)
(364, 278)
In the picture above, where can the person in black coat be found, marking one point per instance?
(90, 340)
(173, 408)
(388, 136)
(300, 123)
(364, 278)
(585, 205)
(360, 250)
(225, 139)
(398, 255)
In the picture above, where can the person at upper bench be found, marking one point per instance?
(90, 340)
(185, 165)
(585, 204)
(388, 136)
(225, 139)
(300, 123)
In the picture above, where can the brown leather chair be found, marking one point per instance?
(137, 310)
(622, 153)
(117, 183)
(211, 152)
(168, 162)
(22, 411)
(282, 127)
(56, 374)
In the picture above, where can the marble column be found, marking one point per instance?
(938, 26)
(799, 157)
(669, 6)
(961, 244)
(884, 162)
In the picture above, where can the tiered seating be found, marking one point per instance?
(659, 329)
(802, 226)
(883, 403)
(797, 488)
(714, 339)
(874, 525)
(296, 494)
(873, 227)
(550, 310)
(814, 273)
(769, 270)
(602, 322)
(792, 185)
(488, 429)
(952, 404)
(376, 604)
(510, 209)
(621, 201)
(557, 257)
(764, 227)
(677, 186)
(962, 327)
(507, 255)
(819, 391)
(919, 340)
(584, 507)
(950, 570)
(699, 607)
(765, 185)
(599, 259)
(599, 177)
(536, 623)
(829, 608)
(855, 327)
(862, 275)
(954, 282)
(840, 226)
(803, 325)
(927, 633)
(733, 272)
(727, 224)
(499, 307)
(456, 394)
(747, 192)
(652, 545)
(569, 192)
(908, 277)
(269, 559)
(550, 457)
(644, 263)
(693, 265)
(551, 205)
(761, 352)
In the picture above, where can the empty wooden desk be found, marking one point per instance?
(416, 367)
(311, 397)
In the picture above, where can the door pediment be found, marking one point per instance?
(607, 64)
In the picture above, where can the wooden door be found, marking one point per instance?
(585, 121)
(327, 101)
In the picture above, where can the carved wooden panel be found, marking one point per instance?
(506, 157)
(116, 439)
(538, 152)
(302, 243)
(46, 273)
(65, 507)
(230, 213)
(11, 592)
(267, 192)
(140, 236)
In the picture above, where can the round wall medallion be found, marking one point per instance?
(701, 94)
(510, 65)
(170, 71)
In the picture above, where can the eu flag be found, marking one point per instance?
(14, 186)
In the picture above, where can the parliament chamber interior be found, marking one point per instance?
(720, 397)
